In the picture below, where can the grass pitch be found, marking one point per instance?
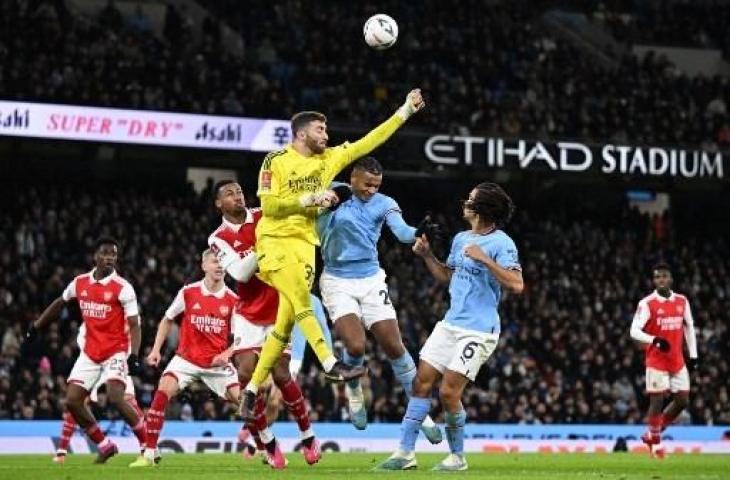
(352, 466)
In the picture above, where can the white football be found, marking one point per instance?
(380, 31)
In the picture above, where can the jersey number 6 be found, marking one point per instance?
(468, 352)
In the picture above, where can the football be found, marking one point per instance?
(381, 31)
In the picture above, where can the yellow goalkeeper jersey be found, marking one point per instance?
(286, 175)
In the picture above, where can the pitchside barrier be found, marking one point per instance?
(41, 436)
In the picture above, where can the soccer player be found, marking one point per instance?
(253, 319)
(298, 347)
(663, 321)
(206, 307)
(293, 186)
(482, 261)
(68, 426)
(111, 318)
(353, 284)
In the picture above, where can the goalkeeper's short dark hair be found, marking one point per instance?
(302, 119)
(492, 204)
(368, 164)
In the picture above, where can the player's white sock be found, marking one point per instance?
(266, 435)
(306, 433)
(355, 397)
(149, 454)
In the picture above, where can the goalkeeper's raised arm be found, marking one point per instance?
(349, 152)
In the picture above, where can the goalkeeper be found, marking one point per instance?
(293, 186)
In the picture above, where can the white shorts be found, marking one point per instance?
(660, 381)
(128, 390)
(248, 336)
(457, 349)
(368, 298)
(218, 379)
(88, 374)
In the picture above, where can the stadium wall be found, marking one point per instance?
(220, 437)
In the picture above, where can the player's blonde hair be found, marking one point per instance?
(206, 252)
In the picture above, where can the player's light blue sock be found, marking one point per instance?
(355, 362)
(455, 430)
(404, 369)
(418, 408)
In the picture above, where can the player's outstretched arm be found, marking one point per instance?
(238, 267)
(50, 314)
(377, 136)
(441, 272)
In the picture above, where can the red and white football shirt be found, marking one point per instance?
(105, 306)
(206, 321)
(666, 318)
(258, 301)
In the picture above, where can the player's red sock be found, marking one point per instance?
(155, 419)
(140, 430)
(95, 434)
(667, 420)
(259, 422)
(133, 403)
(67, 431)
(294, 401)
(655, 425)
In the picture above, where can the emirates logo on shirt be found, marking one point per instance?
(93, 309)
(225, 310)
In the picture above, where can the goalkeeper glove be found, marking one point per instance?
(661, 343)
(344, 193)
(410, 107)
(322, 199)
(133, 365)
(428, 228)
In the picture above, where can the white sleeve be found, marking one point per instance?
(69, 292)
(240, 268)
(128, 299)
(640, 318)
(689, 331)
(176, 307)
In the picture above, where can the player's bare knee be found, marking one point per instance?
(681, 399)
(450, 397)
(355, 348)
(421, 387)
(280, 374)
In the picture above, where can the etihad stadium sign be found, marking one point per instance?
(609, 158)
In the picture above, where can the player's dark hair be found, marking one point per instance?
(105, 241)
(368, 164)
(492, 204)
(662, 266)
(220, 184)
(302, 119)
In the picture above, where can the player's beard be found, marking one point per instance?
(315, 146)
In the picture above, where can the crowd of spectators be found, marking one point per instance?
(677, 23)
(485, 68)
(564, 354)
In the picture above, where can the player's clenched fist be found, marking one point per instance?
(422, 248)
(414, 102)
(475, 253)
(153, 358)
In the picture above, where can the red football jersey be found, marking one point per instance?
(666, 318)
(258, 301)
(206, 323)
(105, 306)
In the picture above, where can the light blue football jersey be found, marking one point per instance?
(474, 291)
(349, 235)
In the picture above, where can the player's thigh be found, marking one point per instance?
(233, 394)
(376, 304)
(679, 381)
(245, 362)
(452, 387)
(471, 351)
(182, 371)
(387, 335)
(339, 297)
(220, 379)
(85, 373)
(657, 381)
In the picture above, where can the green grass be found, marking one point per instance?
(354, 466)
